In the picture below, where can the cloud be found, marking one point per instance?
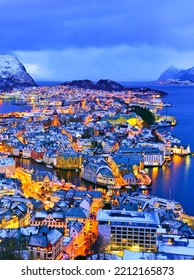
(36, 71)
(117, 63)
(55, 25)
(65, 39)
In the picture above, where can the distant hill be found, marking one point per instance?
(106, 85)
(109, 85)
(174, 73)
(13, 74)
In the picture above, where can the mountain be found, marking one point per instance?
(106, 85)
(86, 84)
(13, 74)
(109, 85)
(174, 73)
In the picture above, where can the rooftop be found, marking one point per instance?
(128, 216)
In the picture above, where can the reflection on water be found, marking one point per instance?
(175, 182)
(6, 107)
(167, 182)
(187, 164)
(68, 175)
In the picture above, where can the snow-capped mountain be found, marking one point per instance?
(13, 74)
(175, 73)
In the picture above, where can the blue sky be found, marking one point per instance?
(125, 40)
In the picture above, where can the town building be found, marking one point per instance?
(69, 160)
(96, 170)
(151, 156)
(47, 244)
(7, 166)
(42, 180)
(44, 218)
(180, 149)
(176, 246)
(129, 229)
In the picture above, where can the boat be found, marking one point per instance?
(25, 157)
(128, 187)
(114, 187)
(143, 187)
(49, 166)
(38, 160)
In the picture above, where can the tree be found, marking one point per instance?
(99, 246)
(107, 206)
(12, 248)
(80, 258)
(146, 115)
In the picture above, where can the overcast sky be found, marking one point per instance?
(122, 40)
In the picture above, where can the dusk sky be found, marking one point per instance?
(125, 40)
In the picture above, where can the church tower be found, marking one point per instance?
(55, 121)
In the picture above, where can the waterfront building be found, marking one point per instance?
(69, 160)
(130, 179)
(128, 163)
(151, 156)
(47, 244)
(49, 157)
(96, 170)
(26, 152)
(180, 149)
(153, 202)
(129, 229)
(16, 150)
(37, 153)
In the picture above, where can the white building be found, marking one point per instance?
(129, 229)
(153, 157)
(176, 245)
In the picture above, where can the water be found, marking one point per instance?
(174, 182)
(49, 83)
(177, 181)
(7, 107)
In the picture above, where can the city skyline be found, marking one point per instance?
(125, 41)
